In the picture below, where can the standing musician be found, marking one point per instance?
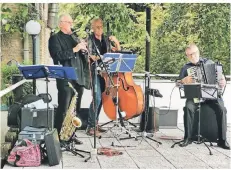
(66, 49)
(103, 45)
(192, 53)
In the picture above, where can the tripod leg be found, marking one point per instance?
(87, 159)
(79, 154)
(126, 138)
(73, 151)
(176, 143)
(210, 152)
(78, 150)
(106, 123)
(154, 140)
(131, 123)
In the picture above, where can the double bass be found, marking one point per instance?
(130, 96)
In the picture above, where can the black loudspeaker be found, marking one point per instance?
(52, 145)
(208, 125)
(83, 115)
(37, 118)
(150, 121)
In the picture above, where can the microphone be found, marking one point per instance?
(109, 61)
(88, 29)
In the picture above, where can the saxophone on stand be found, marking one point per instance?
(71, 121)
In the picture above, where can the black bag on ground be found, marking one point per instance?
(52, 145)
(14, 111)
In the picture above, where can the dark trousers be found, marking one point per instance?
(65, 94)
(191, 108)
(96, 104)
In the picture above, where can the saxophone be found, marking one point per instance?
(71, 122)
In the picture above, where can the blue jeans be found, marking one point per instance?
(98, 102)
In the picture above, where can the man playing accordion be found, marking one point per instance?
(193, 55)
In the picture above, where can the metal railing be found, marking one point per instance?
(14, 86)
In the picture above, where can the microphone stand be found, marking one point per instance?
(94, 152)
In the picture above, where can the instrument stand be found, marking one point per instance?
(93, 153)
(123, 120)
(122, 64)
(195, 91)
(144, 134)
(70, 147)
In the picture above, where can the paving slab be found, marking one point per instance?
(153, 163)
(7, 166)
(146, 154)
(143, 153)
(117, 162)
(77, 162)
(183, 162)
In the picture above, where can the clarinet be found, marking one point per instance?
(77, 40)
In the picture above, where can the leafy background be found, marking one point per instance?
(173, 27)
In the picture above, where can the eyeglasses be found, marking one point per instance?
(99, 27)
(192, 53)
(69, 22)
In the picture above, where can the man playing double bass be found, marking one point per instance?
(102, 42)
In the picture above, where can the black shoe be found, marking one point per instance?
(77, 141)
(186, 142)
(223, 144)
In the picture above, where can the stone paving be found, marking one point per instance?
(145, 153)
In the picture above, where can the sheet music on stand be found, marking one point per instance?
(52, 71)
(123, 62)
(208, 91)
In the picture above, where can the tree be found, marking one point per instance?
(173, 27)
(207, 25)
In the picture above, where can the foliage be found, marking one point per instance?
(16, 20)
(173, 27)
(207, 25)
(7, 72)
(126, 24)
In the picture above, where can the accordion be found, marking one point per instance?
(208, 75)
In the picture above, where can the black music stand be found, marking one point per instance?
(56, 71)
(43, 71)
(122, 63)
(192, 91)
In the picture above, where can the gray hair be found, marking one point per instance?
(93, 21)
(62, 16)
(192, 45)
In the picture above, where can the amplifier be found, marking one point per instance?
(37, 118)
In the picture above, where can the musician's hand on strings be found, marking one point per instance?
(114, 49)
(187, 80)
(113, 39)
